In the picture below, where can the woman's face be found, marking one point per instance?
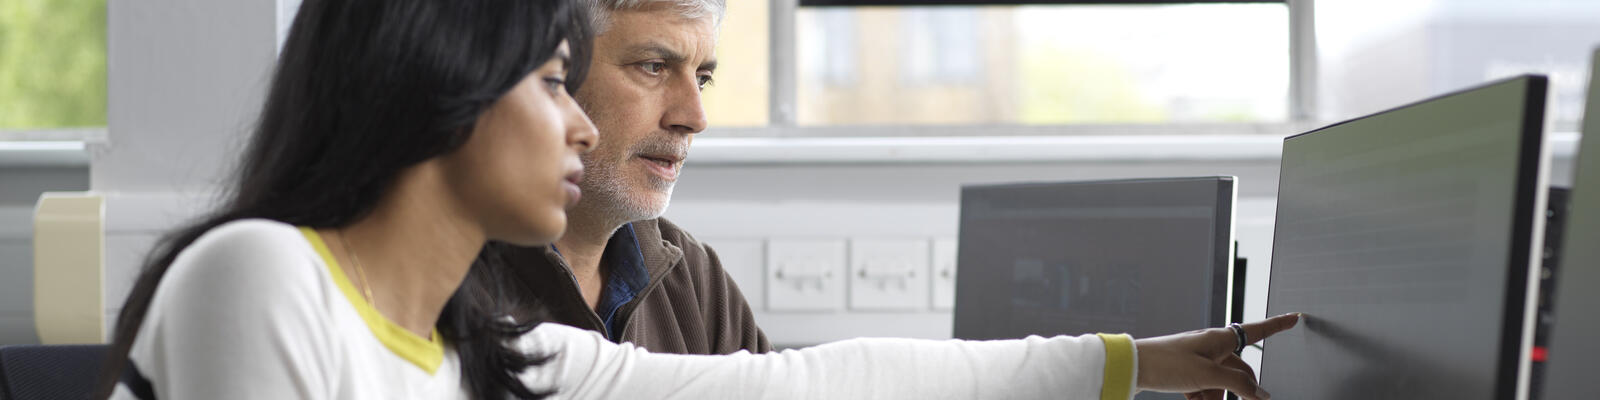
(519, 171)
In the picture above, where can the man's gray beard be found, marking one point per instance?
(608, 204)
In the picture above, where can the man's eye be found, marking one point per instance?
(653, 67)
(705, 80)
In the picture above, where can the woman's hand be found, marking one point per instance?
(1202, 364)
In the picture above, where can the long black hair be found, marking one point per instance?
(364, 89)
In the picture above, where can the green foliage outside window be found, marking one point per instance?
(52, 64)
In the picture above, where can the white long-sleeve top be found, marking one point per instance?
(257, 309)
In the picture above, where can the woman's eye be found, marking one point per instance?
(653, 67)
(555, 84)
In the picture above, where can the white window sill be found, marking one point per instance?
(43, 154)
(47, 148)
(881, 150)
(738, 147)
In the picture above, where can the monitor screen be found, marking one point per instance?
(1405, 238)
(1573, 342)
(1146, 257)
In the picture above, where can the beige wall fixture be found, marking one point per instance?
(68, 273)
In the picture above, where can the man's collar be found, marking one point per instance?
(642, 242)
(658, 253)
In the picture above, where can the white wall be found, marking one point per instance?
(185, 80)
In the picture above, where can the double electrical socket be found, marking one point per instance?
(868, 274)
(805, 275)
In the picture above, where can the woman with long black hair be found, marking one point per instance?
(400, 137)
(396, 138)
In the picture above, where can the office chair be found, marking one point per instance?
(49, 371)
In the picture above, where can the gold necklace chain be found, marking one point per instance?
(361, 273)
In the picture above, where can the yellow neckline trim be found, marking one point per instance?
(424, 353)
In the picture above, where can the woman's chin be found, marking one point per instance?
(532, 232)
(532, 240)
(548, 230)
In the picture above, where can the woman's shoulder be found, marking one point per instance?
(244, 305)
(254, 256)
(247, 235)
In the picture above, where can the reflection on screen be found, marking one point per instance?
(1394, 234)
(1103, 295)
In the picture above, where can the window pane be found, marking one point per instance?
(986, 2)
(52, 64)
(738, 96)
(1379, 54)
(1053, 64)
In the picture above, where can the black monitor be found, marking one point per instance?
(1405, 237)
(1576, 326)
(1146, 257)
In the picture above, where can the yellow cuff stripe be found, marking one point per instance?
(1118, 382)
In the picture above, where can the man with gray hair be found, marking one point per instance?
(621, 269)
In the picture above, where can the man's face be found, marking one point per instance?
(643, 93)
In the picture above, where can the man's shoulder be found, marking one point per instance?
(697, 258)
(700, 276)
(672, 233)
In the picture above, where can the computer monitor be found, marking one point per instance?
(1147, 257)
(1573, 341)
(1406, 238)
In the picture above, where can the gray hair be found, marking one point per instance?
(600, 10)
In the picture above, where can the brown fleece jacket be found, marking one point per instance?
(690, 306)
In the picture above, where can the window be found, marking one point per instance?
(52, 64)
(940, 46)
(738, 96)
(1379, 54)
(1043, 64)
(838, 38)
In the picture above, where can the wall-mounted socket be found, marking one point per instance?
(889, 274)
(805, 274)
